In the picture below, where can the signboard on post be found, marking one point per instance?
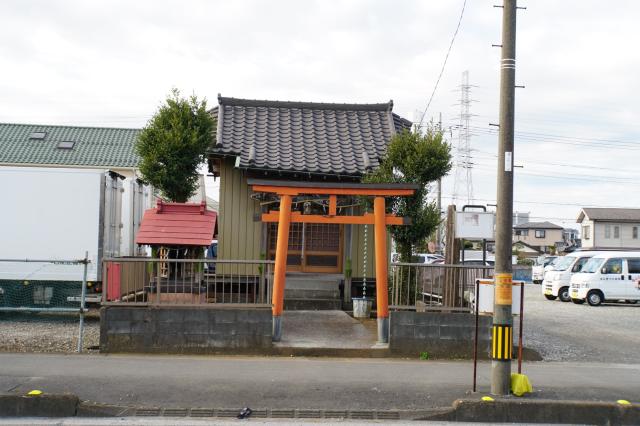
(472, 225)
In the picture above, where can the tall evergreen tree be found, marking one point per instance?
(173, 145)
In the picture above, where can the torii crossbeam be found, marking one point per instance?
(286, 190)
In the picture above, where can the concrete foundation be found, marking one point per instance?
(189, 329)
(440, 334)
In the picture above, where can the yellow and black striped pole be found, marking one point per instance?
(502, 343)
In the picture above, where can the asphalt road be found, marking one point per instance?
(259, 382)
(561, 331)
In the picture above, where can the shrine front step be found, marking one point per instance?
(312, 304)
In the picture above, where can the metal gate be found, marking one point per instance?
(313, 247)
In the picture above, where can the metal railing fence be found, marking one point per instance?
(422, 287)
(156, 281)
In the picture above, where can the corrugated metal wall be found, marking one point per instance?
(238, 234)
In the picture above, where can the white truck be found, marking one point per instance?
(557, 281)
(53, 213)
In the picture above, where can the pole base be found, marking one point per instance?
(276, 334)
(383, 330)
(500, 378)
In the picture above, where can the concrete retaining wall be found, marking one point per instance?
(191, 329)
(442, 335)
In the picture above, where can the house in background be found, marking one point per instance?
(525, 250)
(540, 236)
(299, 141)
(609, 228)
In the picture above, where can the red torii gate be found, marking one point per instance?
(286, 190)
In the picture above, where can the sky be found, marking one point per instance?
(111, 63)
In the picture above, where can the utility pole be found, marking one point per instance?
(439, 228)
(502, 331)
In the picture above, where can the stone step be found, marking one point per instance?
(313, 281)
(312, 304)
(303, 293)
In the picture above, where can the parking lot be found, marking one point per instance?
(567, 332)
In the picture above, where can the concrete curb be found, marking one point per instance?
(38, 405)
(513, 410)
(507, 410)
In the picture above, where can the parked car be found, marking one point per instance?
(609, 276)
(538, 270)
(478, 262)
(556, 282)
(426, 258)
(211, 252)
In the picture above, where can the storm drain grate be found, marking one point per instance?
(262, 414)
(266, 413)
(335, 414)
(362, 415)
(309, 414)
(148, 412)
(175, 412)
(282, 414)
(225, 412)
(388, 415)
(202, 412)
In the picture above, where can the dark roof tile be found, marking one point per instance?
(303, 136)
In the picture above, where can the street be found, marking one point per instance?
(296, 383)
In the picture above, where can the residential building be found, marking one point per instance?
(519, 218)
(541, 236)
(610, 228)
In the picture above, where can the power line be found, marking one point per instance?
(492, 200)
(444, 64)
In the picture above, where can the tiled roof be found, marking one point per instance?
(177, 224)
(94, 146)
(538, 225)
(610, 214)
(318, 138)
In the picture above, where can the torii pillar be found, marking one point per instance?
(286, 190)
(382, 291)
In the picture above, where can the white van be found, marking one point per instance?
(543, 264)
(608, 276)
(557, 281)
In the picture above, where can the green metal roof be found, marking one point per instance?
(94, 146)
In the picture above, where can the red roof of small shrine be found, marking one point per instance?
(177, 224)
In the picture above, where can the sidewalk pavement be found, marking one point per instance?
(296, 383)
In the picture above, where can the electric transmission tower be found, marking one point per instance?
(463, 183)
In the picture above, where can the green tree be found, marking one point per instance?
(419, 159)
(173, 145)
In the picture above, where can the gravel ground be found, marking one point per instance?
(46, 333)
(568, 332)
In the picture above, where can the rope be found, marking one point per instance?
(364, 269)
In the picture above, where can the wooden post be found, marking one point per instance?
(382, 292)
(280, 272)
(450, 292)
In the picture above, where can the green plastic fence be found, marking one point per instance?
(40, 295)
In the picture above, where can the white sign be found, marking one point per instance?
(486, 296)
(475, 225)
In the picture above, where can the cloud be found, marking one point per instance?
(112, 62)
